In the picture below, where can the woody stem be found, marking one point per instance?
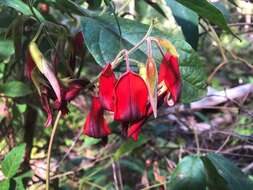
(50, 149)
(149, 47)
(127, 61)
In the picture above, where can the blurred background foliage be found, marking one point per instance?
(194, 149)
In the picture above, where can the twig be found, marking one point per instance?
(224, 144)
(248, 167)
(50, 149)
(219, 97)
(70, 149)
(117, 176)
(155, 185)
(93, 184)
(222, 51)
(250, 147)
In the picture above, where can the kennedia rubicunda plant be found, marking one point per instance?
(132, 97)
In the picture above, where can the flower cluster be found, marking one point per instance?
(51, 89)
(134, 97)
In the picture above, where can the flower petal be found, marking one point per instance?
(74, 89)
(44, 98)
(169, 73)
(29, 65)
(95, 124)
(135, 128)
(107, 81)
(151, 80)
(46, 69)
(131, 98)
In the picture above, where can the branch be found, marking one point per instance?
(215, 98)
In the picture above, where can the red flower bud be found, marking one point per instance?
(107, 81)
(131, 98)
(169, 73)
(78, 42)
(95, 124)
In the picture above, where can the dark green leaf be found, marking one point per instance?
(214, 180)
(225, 11)
(188, 20)
(72, 7)
(6, 48)
(233, 2)
(206, 10)
(15, 89)
(19, 182)
(94, 4)
(222, 174)
(5, 184)
(156, 6)
(129, 146)
(104, 43)
(12, 161)
(188, 175)
(19, 6)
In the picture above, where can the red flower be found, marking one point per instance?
(107, 81)
(170, 74)
(74, 89)
(69, 93)
(95, 124)
(29, 65)
(131, 98)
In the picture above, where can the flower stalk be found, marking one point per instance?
(56, 123)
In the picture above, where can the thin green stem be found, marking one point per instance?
(50, 149)
(118, 59)
(38, 32)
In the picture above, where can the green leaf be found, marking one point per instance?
(206, 10)
(188, 20)
(128, 147)
(72, 7)
(19, 6)
(22, 108)
(88, 141)
(19, 182)
(6, 48)
(222, 174)
(104, 43)
(157, 7)
(94, 4)
(193, 77)
(15, 89)
(223, 9)
(233, 2)
(12, 161)
(188, 175)
(5, 184)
